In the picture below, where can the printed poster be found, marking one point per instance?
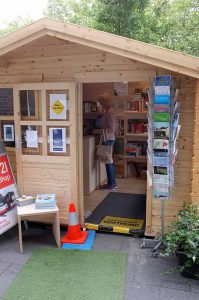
(164, 80)
(160, 191)
(8, 194)
(161, 129)
(162, 90)
(161, 117)
(57, 140)
(161, 179)
(161, 144)
(58, 106)
(162, 99)
(161, 108)
(160, 161)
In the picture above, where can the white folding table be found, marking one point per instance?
(30, 213)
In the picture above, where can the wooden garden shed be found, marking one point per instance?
(50, 58)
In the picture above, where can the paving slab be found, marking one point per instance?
(146, 277)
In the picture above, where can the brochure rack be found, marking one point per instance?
(163, 130)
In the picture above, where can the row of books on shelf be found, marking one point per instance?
(119, 131)
(135, 149)
(92, 107)
(135, 126)
(119, 106)
(140, 105)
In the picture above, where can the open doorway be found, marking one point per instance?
(129, 101)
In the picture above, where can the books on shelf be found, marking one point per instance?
(134, 105)
(119, 131)
(135, 149)
(44, 201)
(132, 149)
(119, 106)
(136, 126)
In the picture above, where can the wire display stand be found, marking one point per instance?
(163, 130)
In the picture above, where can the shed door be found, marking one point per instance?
(46, 137)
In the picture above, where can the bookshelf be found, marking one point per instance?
(133, 142)
(131, 130)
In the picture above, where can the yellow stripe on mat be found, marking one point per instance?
(124, 224)
(120, 230)
(92, 226)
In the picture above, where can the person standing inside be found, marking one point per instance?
(108, 125)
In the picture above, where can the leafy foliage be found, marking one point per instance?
(15, 24)
(80, 12)
(172, 24)
(184, 234)
(121, 17)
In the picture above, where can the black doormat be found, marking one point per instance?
(121, 213)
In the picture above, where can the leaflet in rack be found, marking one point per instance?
(163, 131)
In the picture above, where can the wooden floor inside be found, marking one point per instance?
(125, 185)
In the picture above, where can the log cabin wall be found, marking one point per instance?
(50, 59)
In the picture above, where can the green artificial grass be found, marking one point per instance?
(56, 274)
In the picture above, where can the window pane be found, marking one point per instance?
(30, 105)
(6, 102)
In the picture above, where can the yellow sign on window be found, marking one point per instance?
(58, 107)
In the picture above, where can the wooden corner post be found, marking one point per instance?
(195, 158)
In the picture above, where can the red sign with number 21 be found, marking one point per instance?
(6, 177)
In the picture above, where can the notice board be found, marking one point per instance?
(8, 193)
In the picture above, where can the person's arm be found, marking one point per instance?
(111, 122)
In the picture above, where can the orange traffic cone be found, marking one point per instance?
(74, 234)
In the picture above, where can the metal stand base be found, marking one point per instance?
(156, 243)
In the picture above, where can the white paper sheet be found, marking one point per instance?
(31, 138)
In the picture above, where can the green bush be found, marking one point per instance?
(183, 234)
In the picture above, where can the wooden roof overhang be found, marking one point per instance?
(132, 49)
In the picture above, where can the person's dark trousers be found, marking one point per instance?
(110, 168)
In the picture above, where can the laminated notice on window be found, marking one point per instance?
(58, 106)
(31, 138)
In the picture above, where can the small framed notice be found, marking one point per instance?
(58, 106)
(57, 140)
(8, 133)
(120, 89)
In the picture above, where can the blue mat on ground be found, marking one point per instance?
(86, 246)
